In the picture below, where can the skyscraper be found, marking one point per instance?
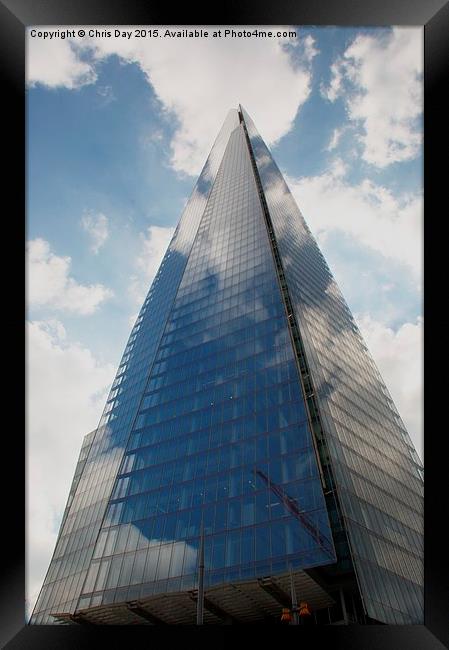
(247, 406)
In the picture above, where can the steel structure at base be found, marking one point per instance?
(250, 601)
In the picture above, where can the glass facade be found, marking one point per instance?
(378, 475)
(222, 403)
(80, 528)
(209, 419)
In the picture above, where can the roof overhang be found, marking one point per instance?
(249, 601)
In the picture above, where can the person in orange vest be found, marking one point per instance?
(286, 616)
(305, 613)
(304, 609)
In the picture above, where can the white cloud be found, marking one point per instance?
(66, 391)
(333, 90)
(49, 283)
(399, 357)
(56, 63)
(310, 50)
(106, 95)
(197, 81)
(152, 138)
(153, 245)
(97, 227)
(335, 139)
(368, 212)
(380, 80)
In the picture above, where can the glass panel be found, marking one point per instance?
(102, 452)
(370, 450)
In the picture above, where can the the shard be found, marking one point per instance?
(247, 406)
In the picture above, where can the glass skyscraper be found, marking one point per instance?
(246, 406)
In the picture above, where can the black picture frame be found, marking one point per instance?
(15, 16)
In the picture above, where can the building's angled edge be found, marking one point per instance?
(79, 532)
(377, 472)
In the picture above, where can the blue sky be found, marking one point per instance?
(117, 132)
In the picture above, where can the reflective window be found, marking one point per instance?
(373, 460)
(221, 436)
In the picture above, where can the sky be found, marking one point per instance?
(118, 129)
